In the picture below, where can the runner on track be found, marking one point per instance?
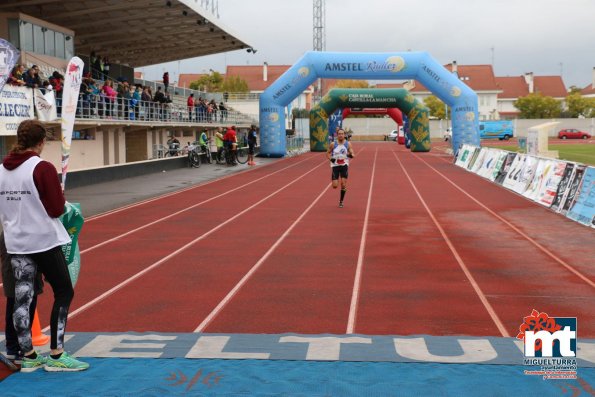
(339, 153)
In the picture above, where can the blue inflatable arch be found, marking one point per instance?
(371, 66)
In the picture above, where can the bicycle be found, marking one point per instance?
(240, 155)
(207, 152)
(193, 155)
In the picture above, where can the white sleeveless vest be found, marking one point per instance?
(27, 226)
(339, 153)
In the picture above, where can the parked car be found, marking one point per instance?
(573, 133)
(392, 136)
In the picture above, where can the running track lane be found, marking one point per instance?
(350, 193)
(180, 291)
(515, 275)
(305, 285)
(111, 264)
(409, 271)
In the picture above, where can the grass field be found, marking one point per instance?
(580, 152)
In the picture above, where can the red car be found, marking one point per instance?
(573, 133)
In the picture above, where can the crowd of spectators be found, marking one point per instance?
(202, 110)
(103, 97)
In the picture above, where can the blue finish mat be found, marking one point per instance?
(200, 377)
(192, 364)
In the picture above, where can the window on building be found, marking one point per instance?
(50, 44)
(69, 47)
(13, 32)
(26, 33)
(38, 41)
(60, 48)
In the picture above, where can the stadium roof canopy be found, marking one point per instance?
(135, 32)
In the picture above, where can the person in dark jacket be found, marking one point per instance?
(31, 77)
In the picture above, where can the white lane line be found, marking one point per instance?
(178, 251)
(166, 195)
(247, 276)
(180, 211)
(516, 229)
(454, 251)
(360, 259)
(254, 268)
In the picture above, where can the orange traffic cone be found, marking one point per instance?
(39, 339)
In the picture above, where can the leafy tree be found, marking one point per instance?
(234, 84)
(209, 82)
(351, 84)
(579, 106)
(436, 106)
(536, 106)
(573, 89)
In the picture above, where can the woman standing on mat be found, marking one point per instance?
(31, 200)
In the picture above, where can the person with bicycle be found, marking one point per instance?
(231, 144)
(174, 145)
(219, 142)
(203, 141)
(339, 153)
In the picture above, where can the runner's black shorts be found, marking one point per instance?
(340, 171)
(251, 148)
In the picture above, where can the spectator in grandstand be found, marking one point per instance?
(57, 81)
(16, 75)
(31, 77)
(136, 98)
(109, 96)
(201, 110)
(34, 237)
(98, 67)
(83, 106)
(46, 86)
(92, 60)
(212, 111)
(190, 104)
(231, 143)
(124, 98)
(223, 112)
(166, 80)
(167, 106)
(159, 100)
(147, 102)
(106, 67)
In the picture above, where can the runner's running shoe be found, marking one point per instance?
(32, 364)
(65, 363)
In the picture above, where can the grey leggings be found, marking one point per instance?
(55, 270)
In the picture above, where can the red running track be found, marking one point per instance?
(421, 247)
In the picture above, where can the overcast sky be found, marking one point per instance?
(546, 37)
